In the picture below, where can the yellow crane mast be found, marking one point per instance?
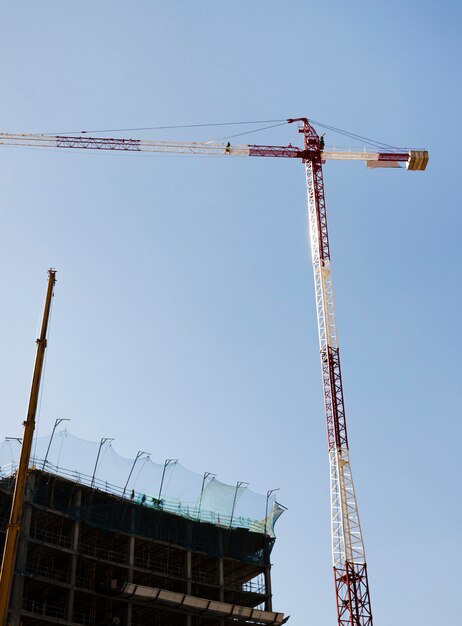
(14, 525)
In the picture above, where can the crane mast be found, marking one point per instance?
(14, 526)
(348, 555)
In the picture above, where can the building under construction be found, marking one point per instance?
(86, 556)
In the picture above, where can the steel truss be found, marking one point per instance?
(348, 556)
(352, 589)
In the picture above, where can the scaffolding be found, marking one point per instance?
(94, 558)
(169, 487)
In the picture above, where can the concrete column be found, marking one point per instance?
(221, 578)
(221, 582)
(221, 566)
(75, 532)
(131, 558)
(21, 556)
(267, 573)
(188, 568)
(221, 572)
(131, 564)
(268, 591)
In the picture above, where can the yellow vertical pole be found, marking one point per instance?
(14, 526)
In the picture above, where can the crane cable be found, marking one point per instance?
(371, 142)
(248, 132)
(122, 130)
(274, 124)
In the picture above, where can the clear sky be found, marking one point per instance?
(184, 319)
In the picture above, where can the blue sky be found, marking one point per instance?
(184, 314)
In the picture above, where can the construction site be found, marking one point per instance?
(91, 538)
(90, 557)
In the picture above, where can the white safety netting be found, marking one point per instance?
(168, 486)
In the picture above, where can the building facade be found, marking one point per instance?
(92, 558)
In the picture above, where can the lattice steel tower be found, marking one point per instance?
(348, 555)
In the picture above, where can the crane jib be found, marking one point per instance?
(311, 152)
(98, 143)
(291, 152)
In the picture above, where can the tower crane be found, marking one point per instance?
(348, 555)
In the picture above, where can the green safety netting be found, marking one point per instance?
(168, 486)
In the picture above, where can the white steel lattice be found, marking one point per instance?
(347, 543)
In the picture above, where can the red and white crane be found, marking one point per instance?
(348, 555)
